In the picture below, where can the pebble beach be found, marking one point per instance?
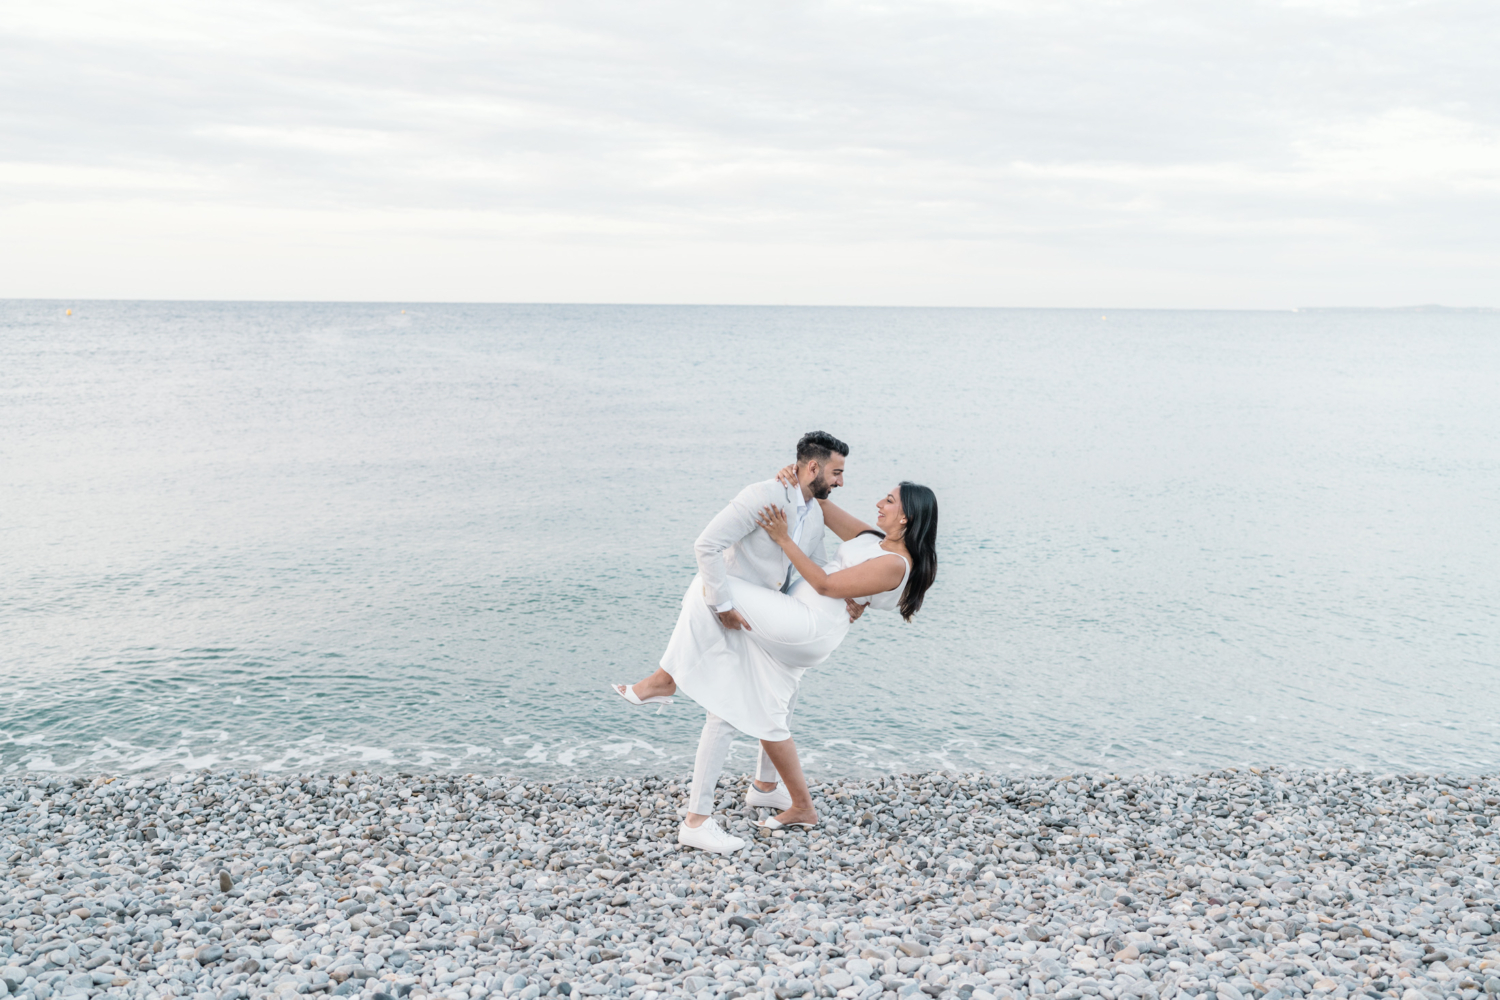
(1227, 885)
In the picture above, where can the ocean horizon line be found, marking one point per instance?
(1423, 308)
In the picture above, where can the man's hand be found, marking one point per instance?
(855, 609)
(732, 619)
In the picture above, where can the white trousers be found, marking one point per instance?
(713, 751)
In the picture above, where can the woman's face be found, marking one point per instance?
(889, 517)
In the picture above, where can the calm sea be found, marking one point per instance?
(315, 536)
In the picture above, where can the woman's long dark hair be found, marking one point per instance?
(919, 504)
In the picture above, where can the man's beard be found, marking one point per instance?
(819, 488)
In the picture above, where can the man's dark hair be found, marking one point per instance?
(817, 446)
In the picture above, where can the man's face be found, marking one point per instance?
(827, 476)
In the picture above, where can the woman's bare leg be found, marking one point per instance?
(657, 685)
(783, 754)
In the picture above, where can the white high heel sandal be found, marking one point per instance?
(627, 692)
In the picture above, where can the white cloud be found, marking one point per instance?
(1255, 154)
(67, 179)
(1402, 153)
(1405, 151)
(331, 141)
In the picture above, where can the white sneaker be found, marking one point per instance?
(709, 836)
(777, 798)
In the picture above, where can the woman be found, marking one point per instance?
(750, 676)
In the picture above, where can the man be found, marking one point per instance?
(733, 544)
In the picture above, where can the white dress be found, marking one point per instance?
(748, 679)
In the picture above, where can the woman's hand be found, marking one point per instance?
(788, 475)
(774, 521)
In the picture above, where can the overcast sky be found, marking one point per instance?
(1029, 153)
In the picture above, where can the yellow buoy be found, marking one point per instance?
(70, 312)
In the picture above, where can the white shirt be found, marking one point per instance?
(803, 506)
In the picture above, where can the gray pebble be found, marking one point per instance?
(1231, 885)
